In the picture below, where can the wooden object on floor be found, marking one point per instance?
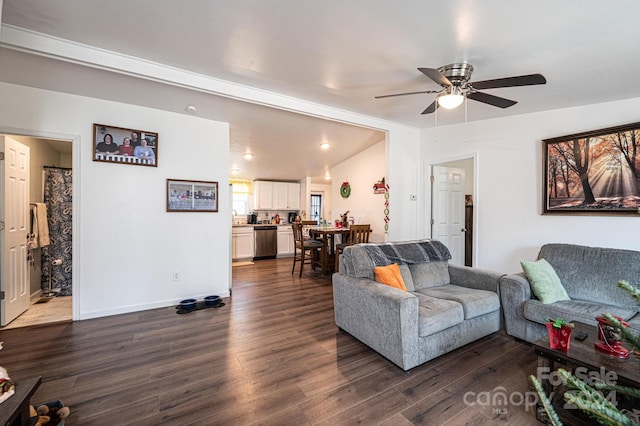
(582, 354)
(272, 356)
(357, 234)
(328, 236)
(15, 410)
(302, 246)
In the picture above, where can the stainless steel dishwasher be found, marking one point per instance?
(266, 242)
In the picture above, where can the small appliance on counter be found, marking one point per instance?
(292, 217)
(252, 218)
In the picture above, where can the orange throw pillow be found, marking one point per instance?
(390, 275)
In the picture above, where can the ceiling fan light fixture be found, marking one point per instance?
(451, 99)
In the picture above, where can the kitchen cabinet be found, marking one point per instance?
(262, 195)
(242, 243)
(293, 196)
(285, 241)
(276, 195)
(280, 195)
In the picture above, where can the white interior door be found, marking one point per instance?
(447, 210)
(14, 271)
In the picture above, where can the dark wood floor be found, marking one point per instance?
(271, 356)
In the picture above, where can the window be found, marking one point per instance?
(316, 207)
(241, 192)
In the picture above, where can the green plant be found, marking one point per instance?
(559, 322)
(591, 400)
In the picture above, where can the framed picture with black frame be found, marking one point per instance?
(192, 196)
(121, 145)
(593, 173)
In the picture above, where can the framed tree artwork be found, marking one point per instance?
(596, 172)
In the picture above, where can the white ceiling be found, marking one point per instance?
(335, 53)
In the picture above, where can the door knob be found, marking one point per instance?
(463, 230)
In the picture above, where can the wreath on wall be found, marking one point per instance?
(345, 190)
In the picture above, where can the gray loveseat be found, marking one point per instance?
(588, 274)
(445, 308)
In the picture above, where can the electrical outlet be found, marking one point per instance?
(175, 276)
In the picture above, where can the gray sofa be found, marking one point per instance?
(588, 274)
(445, 308)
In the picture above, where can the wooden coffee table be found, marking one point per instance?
(15, 410)
(582, 358)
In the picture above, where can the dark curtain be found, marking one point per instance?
(58, 196)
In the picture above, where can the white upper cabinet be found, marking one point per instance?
(276, 195)
(293, 195)
(262, 195)
(280, 196)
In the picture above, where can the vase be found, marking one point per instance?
(559, 338)
(609, 339)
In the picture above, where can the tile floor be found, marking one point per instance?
(56, 310)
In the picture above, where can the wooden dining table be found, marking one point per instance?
(328, 235)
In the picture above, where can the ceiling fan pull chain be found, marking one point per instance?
(465, 119)
(435, 129)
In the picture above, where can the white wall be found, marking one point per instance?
(362, 171)
(509, 226)
(404, 177)
(126, 245)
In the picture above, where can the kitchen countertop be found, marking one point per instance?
(246, 225)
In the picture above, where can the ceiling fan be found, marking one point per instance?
(454, 79)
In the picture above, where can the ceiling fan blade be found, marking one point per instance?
(436, 76)
(522, 80)
(491, 100)
(408, 93)
(431, 108)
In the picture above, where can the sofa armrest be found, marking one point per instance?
(514, 291)
(475, 278)
(382, 317)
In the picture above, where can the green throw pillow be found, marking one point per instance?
(545, 283)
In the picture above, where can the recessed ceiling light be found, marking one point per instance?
(235, 171)
(327, 176)
(191, 109)
(325, 145)
(247, 156)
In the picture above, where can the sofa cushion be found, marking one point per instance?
(437, 314)
(572, 310)
(634, 323)
(429, 274)
(474, 302)
(592, 273)
(357, 263)
(545, 283)
(390, 275)
(406, 277)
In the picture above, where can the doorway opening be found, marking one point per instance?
(452, 219)
(49, 264)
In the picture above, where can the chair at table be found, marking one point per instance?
(306, 251)
(357, 234)
(310, 223)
